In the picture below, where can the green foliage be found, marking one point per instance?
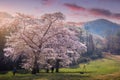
(84, 60)
(86, 57)
(113, 43)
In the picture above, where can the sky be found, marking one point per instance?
(74, 10)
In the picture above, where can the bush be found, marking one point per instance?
(84, 60)
(23, 71)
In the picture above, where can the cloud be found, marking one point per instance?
(48, 2)
(104, 12)
(37, 9)
(74, 7)
(100, 12)
(117, 15)
(93, 11)
(110, 0)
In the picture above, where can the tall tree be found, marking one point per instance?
(41, 40)
(113, 43)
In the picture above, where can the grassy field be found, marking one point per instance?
(103, 69)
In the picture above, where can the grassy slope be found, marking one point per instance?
(104, 69)
(103, 66)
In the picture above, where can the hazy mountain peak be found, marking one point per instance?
(5, 15)
(77, 24)
(101, 27)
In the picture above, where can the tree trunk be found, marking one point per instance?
(35, 67)
(47, 70)
(57, 65)
(33, 71)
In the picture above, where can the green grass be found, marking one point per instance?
(103, 69)
(102, 66)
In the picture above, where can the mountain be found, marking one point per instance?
(74, 24)
(5, 15)
(5, 18)
(102, 27)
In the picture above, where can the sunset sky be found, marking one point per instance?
(74, 10)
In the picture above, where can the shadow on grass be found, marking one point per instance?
(23, 71)
(62, 76)
(52, 76)
(79, 72)
(20, 75)
(3, 72)
(75, 66)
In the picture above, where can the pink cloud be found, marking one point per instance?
(74, 7)
(92, 11)
(105, 13)
(100, 12)
(48, 2)
(37, 9)
(117, 15)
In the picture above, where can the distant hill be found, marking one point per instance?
(101, 27)
(5, 15)
(5, 18)
(77, 24)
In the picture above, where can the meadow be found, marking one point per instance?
(102, 69)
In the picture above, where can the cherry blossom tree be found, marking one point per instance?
(43, 42)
